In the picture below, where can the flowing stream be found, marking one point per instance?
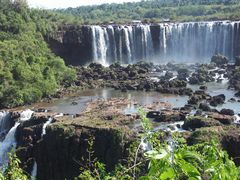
(9, 142)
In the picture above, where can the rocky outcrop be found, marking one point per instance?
(72, 43)
(227, 136)
(195, 122)
(219, 60)
(28, 135)
(170, 116)
(64, 148)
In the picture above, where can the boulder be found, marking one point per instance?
(219, 60)
(204, 107)
(194, 122)
(153, 114)
(204, 88)
(224, 119)
(217, 100)
(237, 61)
(170, 116)
(229, 112)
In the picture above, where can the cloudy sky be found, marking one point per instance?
(70, 3)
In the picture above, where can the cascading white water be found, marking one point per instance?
(165, 42)
(34, 171)
(99, 44)
(4, 122)
(10, 140)
(45, 126)
(127, 43)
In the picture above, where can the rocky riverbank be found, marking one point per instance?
(59, 143)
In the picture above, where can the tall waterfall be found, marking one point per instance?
(165, 42)
(10, 140)
(4, 122)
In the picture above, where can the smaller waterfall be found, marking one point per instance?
(34, 171)
(4, 123)
(237, 119)
(8, 144)
(45, 126)
(10, 140)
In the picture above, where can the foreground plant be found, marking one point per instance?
(170, 160)
(13, 170)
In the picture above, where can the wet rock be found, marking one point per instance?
(183, 73)
(195, 122)
(194, 100)
(237, 94)
(219, 60)
(153, 114)
(168, 75)
(204, 107)
(74, 103)
(170, 116)
(229, 112)
(232, 100)
(216, 100)
(203, 88)
(224, 119)
(237, 61)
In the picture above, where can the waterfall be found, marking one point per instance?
(10, 140)
(165, 42)
(45, 126)
(50, 119)
(4, 122)
(34, 171)
(99, 44)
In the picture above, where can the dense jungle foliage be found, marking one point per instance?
(29, 71)
(157, 10)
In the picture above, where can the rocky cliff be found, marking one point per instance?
(64, 148)
(72, 43)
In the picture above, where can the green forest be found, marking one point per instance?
(156, 11)
(29, 71)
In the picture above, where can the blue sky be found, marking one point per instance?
(70, 3)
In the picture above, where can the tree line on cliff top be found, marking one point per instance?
(156, 10)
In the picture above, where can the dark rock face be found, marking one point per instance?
(61, 152)
(219, 60)
(231, 143)
(27, 135)
(72, 43)
(59, 155)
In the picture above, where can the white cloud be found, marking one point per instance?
(70, 3)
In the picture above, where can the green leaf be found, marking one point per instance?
(168, 174)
